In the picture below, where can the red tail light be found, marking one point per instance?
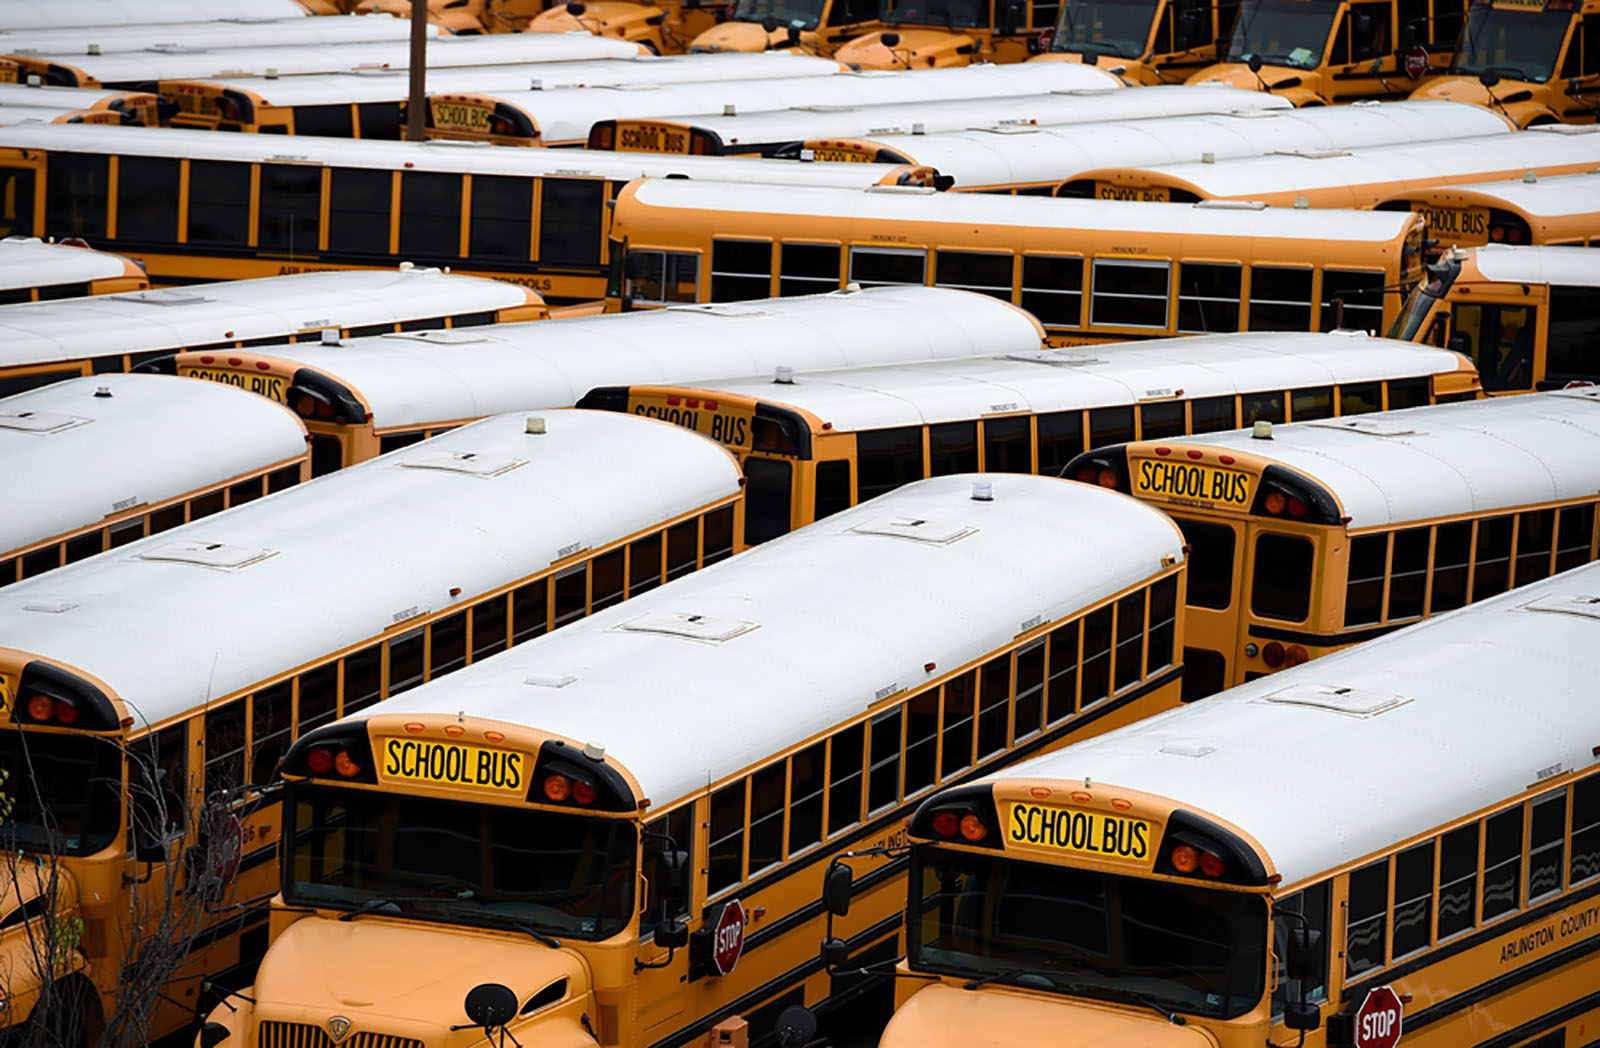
(1087, 474)
(66, 711)
(320, 760)
(1272, 654)
(1296, 507)
(1212, 866)
(583, 792)
(946, 824)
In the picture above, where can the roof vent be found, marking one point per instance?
(470, 463)
(1566, 604)
(440, 336)
(1187, 748)
(932, 532)
(1372, 427)
(37, 421)
(1351, 702)
(1231, 205)
(170, 296)
(549, 680)
(208, 554)
(49, 607)
(719, 309)
(712, 628)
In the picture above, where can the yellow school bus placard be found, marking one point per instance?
(273, 387)
(840, 156)
(1462, 226)
(644, 137)
(461, 116)
(445, 763)
(728, 423)
(1112, 191)
(1191, 483)
(1080, 832)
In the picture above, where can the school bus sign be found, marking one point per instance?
(1377, 1021)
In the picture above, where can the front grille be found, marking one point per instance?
(304, 1035)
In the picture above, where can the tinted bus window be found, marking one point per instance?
(1208, 297)
(1281, 577)
(219, 203)
(569, 222)
(358, 210)
(502, 217)
(1052, 289)
(1280, 299)
(16, 203)
(430, 215)
(147, 199)
(767, 508)
(77, 186)
(808, 269)
(290, 209)
(331, 120)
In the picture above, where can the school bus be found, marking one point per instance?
(1321, 52)
(127, 442)
(1090, 270)
(664, 889)
(813, 26)
(785, 132)
(666, 27)
(372, 395)
(177, 25)
(33, 271)
(814, 443)
(1537, 61)
(1529, 316)
(118, 758)
(130, 107)
(371, 103)
(1356, 178)
(565, 117)
(1051, 160)
(1149, 41)
(1143, 888)
(917, 34)
(45, 342)
(194, 205)
(1311, 536)
(1532, 210)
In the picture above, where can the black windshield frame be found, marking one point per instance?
(1089, 18)
(509, 883)
(65, 788)
(1104, 962)
(935, 14)
(801, 14)
(1528, 31)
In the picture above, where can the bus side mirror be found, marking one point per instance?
(1010, 17)
(1361, 22)
(150, 848)
(1302, 1016)
(796, 1026)
(1459, 344)
(836, 887)
(1254, 63)
(1305, 961)
(1488, 78)
(675, 867)
(834, 953)
(672, 934)
(1408, 36)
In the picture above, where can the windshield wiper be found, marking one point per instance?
(1094, 989)
(1020, 975)
(385, 903)
(528, 928)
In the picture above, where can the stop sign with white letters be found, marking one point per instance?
(727, 937)
(1377, 1021)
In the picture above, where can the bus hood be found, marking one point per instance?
(996, 1017)
(1279, 79)
(750, 37)
(916, 49)
(373, 971)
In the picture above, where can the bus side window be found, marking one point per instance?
(1007, 445)
(1358, 398)
(1369, 30)
(219, 204)
(1583, 52)
(1413, 898)
(883, 775)
(1280, 299)
(1585, 860)
(952, 448)
(77, 187)
(808, 269)
(886, 459)
(726, 855)
(1281, 577)
(571, 234)
(833, 488)
(288, 217)
(16, 202)
(658, 276)
(1458, 880)
(1364, 930)
(1052, 289)
(1130, 293)
(1352, 300)
(987, 273)
(319, 696)
(1209, 294)
(1492, 568)
(501, 218)
(224, 747)
(1502, 863)
(1060, 441)
(880, 267)
(767, 499)
(1574, 329)
(1209, 414)
(740, 270)
(147, 199)
(1312, 904)
(678, 825)
(1161, 419)
(272, 714)
(430, 215)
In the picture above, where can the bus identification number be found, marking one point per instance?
(840, 156)
(460, 117)
(1109, 191)
(1191, 482)
(453, 764)
(1466, 222)
(272, 386)
(1083, 832)
(651, 139)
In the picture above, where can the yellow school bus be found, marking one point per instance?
(1564, 209)
(628, 890)
(1536, 61)
(1147, 41)
(917, 34)
(814, 443)
(1321, 52)
(1311, 536)
(1090, 270)
(143, 732)
(1143, 888)
(1529, 316)
(666, 27)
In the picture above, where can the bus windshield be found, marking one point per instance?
(1177, 947)
(1516, 43)
(1283, 32)
(65, 791)
(1107, 27)
(802, 14)
(946, 13)
(459, 862)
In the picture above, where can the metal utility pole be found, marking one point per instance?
(419, 69)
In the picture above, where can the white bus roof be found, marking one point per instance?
(78, 451)
(30, 262)
(1549, 197)
(120, 67)
(567, 114)
(421, 377)
(1487, 700)
(55, 14)
(454, 157)
(1075, 379)
(393, 85)
(1062, 106)
(1566, 266)
(835, 617)
(225, 32)
(238, 310)
(12, 95)
(1017, 155)
(381, 541)
(1357, 171)
(1441, 460)
(12, 115)
(996, 209)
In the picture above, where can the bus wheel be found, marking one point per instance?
(73, 1018)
